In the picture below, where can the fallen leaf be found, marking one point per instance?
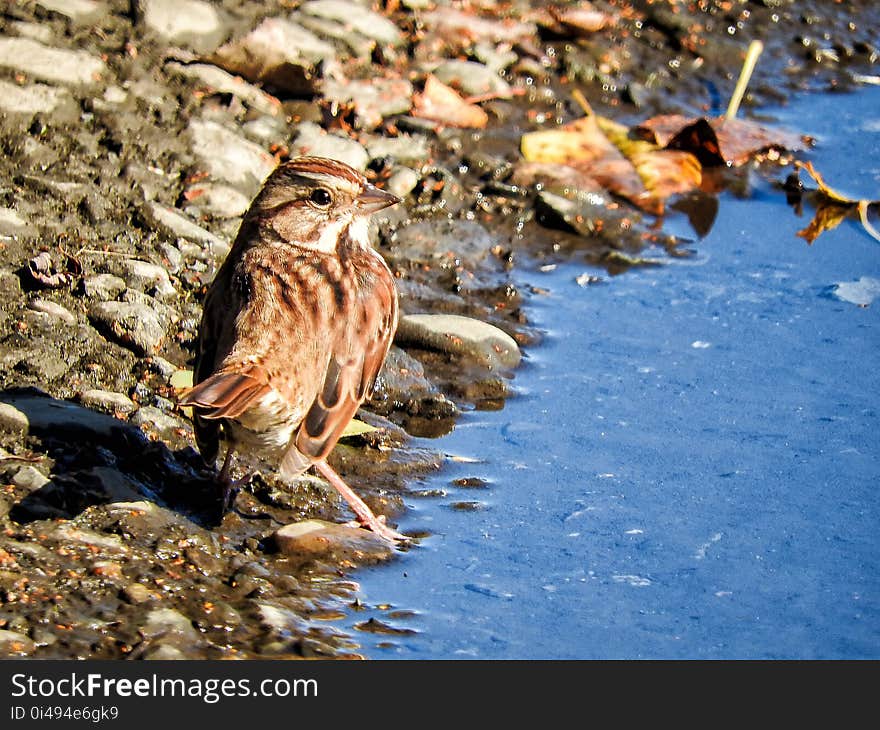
(583, 19)
(441, 103)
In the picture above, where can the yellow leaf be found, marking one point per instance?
(357, 428)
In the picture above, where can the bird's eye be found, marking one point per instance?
(321, 197)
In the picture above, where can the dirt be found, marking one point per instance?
(112, 544)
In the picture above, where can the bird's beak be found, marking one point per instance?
(373, 199)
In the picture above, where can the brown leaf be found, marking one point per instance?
(441, 103)
(582, 19)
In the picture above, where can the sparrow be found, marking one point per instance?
(295, 326)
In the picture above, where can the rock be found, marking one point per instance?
(402, 182)
(11, 223)
(373, 99)
(137, 593)
(152, 419)
(356, 17)
(29, 478)
(147, 277)
(73, 68)
(32, 99)
(53, 310)
(229, 158)
(312, 140)
(463, 336)
(217, 80)
(79, 12)
(10, 284)
(402, 385)
(318, 539)
(406, 149)
(32, 412)
(472, 78)
(103, 286)
(35, 31)
(107, 401)
(442, 239)
(67, 533)
(278, 53)
(174, 224)
(495, 57)
(162, 367)
(216, 200)
(13, 420)
(164, 621)
(191, 23)
(133, 325)
(13, 643)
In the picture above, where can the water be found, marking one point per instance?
(691, 467)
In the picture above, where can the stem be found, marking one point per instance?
(755, 49)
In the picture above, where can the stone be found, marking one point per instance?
(218, 80)
(12, 643)
(358, 18)
(55, 65)
(465, 336)
(152, 419)
(230, 158)
(147, 277)
(402, 385)
(30, 478)
(312, 140)
(32, 99)
(472, 78)
(176, 225)
(313, 539)
(443, 239)
(103, 286)
(278, 53)
(67, 533)
(11, 223)
(413, 150)
(190, 23)
(35, 31)
(13, 420)
(402, 181)
(162, 621)
(373, 99)
(79, 12)
(133, 325)
(216, 200)
(53, 310)
(107, 401)
(33, 412)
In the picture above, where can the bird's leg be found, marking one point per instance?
(229, 485)
(364, 514)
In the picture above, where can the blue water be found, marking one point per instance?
(690, 468)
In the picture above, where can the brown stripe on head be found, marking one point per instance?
(303, 173)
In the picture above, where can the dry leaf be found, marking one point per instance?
(441, 103)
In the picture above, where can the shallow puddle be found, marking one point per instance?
(690, 467)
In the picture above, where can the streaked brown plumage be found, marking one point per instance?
(296, 324)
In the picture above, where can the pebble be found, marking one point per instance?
(312, 140)
(216, 200)
(56, 311)
(162, 367)
(472, 78)
(13, 643)
(157, 421)
(190, 23)
(163, 621)
(40, 414)
(230, 158)
(277, 52)
(33, 99)
(218, 80)
(402, 181)
(67, 533)
(406, 149)
(103, 286)
(107, 401)
(56, 65)
(320, 539)
(12, 420)
(148, 277)
(175, 224)
(373, 99)
(30, 478)
(137, 593)
(80, 12)
(467, 241)
(11, 223)
(131, 324)
(471, 338)
(35, 31)
(358, 18)
(402, 385)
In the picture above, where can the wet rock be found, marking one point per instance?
(472, 78)
(55, 65)
(29, 478)
(103, 286)
(402, 386)
(278, 53)
(79, 12)
(152, 419)
(312, 140)
(131, 324)
(34, 99)
(147, 277)
(68, 534)
(373, 99)
(174, 224)
(228, 157)
(12, 643)
(191, 23)
(217, 80)
(31, 411)
(216, 200)
(470, 338)
(53, 310)
(495, 57)
(314, 539)
(13, 420)
(137, 593)
(433, 240)
(406, 149)
(402, 182)
(356, 18)
(107, 401)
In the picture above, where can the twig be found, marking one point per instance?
(863, 217)
(755, 49)
(582, 102)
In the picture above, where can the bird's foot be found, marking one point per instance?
(378, 526)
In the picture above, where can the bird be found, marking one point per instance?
(296, 326)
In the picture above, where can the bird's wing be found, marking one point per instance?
(355, 360)
(227, 394)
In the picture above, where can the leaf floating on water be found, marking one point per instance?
(832, 207)
(441, 103)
